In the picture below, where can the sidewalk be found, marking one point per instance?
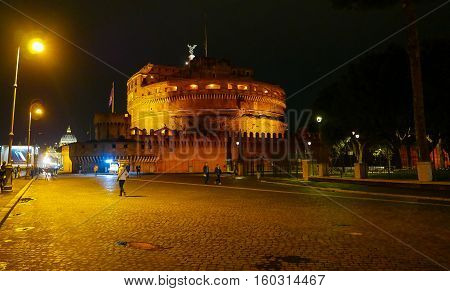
(345, 186)
(409, 184)
(9, 199)
(5, 197)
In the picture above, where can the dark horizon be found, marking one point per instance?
(291, 45)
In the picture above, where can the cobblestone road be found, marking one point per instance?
(80, 223)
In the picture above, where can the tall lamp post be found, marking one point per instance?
(35, 108)
(322, 161)
(35, 46)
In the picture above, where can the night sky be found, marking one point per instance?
(289, 43)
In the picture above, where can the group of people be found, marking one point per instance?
(217, 172)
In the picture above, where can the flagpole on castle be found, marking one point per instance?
(113, 98)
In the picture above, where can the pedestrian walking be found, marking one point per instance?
(138, 171)
(16, 171)
(206, 172)
(218, 172)
(258, 175)
(235, 171)
(47, 174)
(122, 176)
(95, 169)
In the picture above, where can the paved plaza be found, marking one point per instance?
(176, 222)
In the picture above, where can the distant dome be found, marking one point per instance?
(68, 138)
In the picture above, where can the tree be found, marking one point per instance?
(414, 60)
(372, 98)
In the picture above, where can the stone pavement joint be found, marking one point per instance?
(181, 227)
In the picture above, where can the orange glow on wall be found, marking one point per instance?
(171, 89)
(212, 86)
(193, 87)
(242, 87)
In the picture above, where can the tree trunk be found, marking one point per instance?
(362, 147)
(416, 78)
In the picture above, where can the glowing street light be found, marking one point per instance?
(309, 143)
(319, 119)
(35, 46)
(38, 111)
(357, 136)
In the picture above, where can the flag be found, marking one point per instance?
(111, 98)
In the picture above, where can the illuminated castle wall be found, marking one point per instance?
(206, 93)
(181, 117)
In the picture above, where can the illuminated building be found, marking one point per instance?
(181, 117)
(206, 93)
(68, 138)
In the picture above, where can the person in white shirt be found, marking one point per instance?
(122, 176)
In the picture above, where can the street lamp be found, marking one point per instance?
(35, 46)
(36, 109)
(319, 119)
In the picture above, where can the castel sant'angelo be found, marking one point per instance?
(204, 91)
(178, 118)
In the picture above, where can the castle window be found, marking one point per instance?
(193, 87)
(229, 86)
(125, 146)
(171, 89)
(212, 86)
(95, 146)
(113, 146)
(266, 91)
(242, 87)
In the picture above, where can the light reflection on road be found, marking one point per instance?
(109, 182)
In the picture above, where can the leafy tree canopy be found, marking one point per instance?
(374, 97)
